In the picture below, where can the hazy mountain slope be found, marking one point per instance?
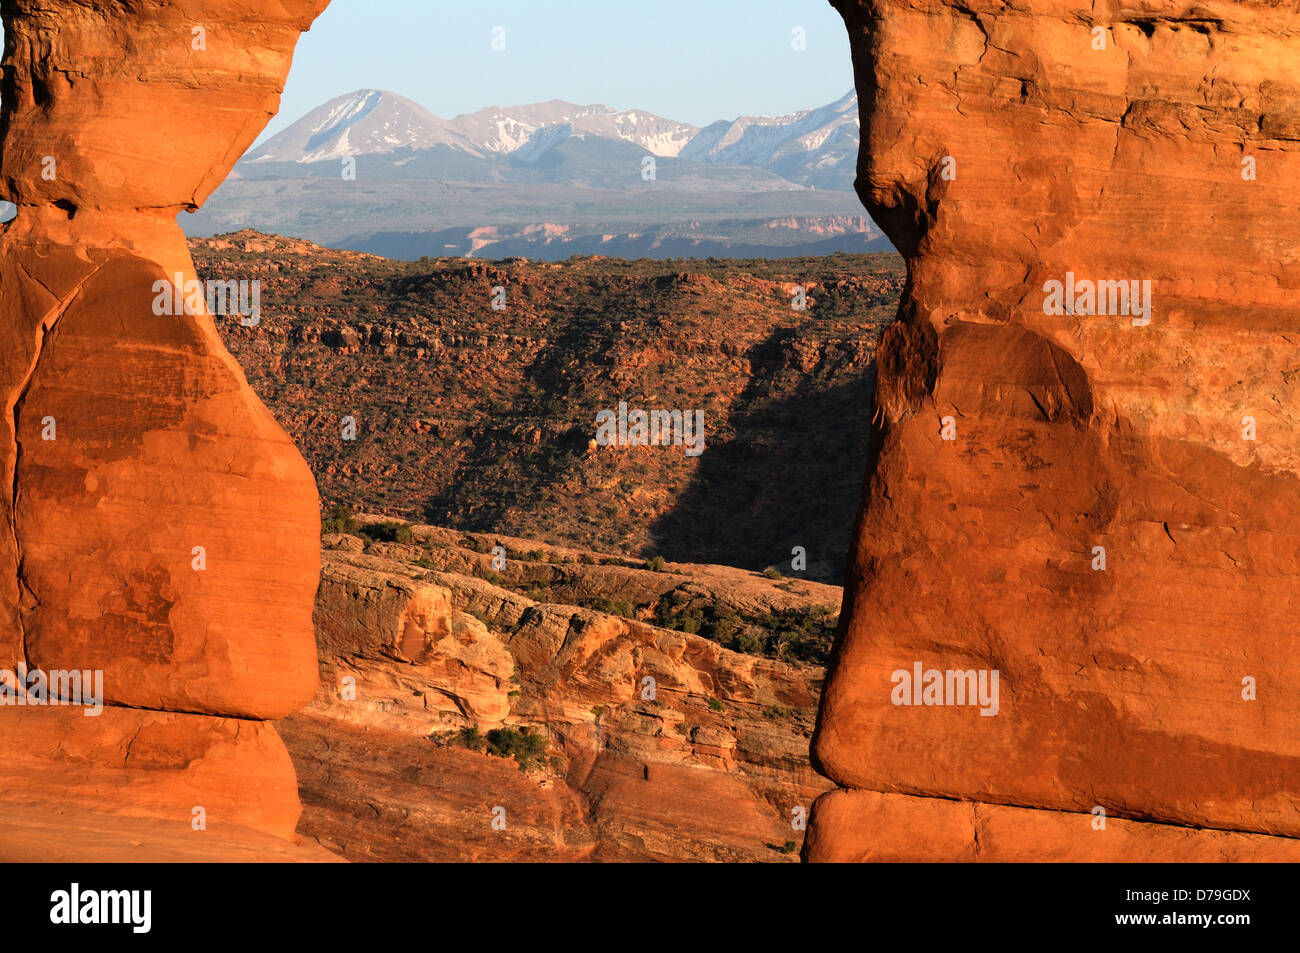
(378, 122)
(549, 180)
(369, 121)
(503, 131)
(815, 147)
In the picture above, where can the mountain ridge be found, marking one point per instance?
(814, 147)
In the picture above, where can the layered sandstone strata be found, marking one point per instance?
(160, 527)
(1098, 506)
(660, 745)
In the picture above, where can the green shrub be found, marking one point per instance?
(610, 606)
(338, 519)
(389, 532)
(656, 564)
(715, 705)
(721, 626)
(526, 746)
(771, 572)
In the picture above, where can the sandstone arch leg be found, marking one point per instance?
(1004, 149)
(130, 438)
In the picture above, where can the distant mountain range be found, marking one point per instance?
(815, 147)
(550, 180)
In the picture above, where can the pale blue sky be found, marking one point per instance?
(690, 60)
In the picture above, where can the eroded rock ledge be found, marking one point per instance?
(1005, 146)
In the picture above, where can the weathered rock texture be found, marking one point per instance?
(1123, 687)
(660, 745)
(129, 438)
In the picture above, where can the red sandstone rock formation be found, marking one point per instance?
(711, 765)
(1003, 148)
(132, 439)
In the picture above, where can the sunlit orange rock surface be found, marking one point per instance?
(159, 525)
(1100, 507)
(1113, 524)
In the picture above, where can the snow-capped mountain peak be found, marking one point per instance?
(500, 130)
(368, 121)
(811, 147)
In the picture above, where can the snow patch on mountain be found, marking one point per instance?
(811, 147)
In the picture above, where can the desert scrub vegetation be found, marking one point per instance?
(339, 519)
(472, 738)
(792, 635)
(526, 745)
(389, 532)
(618, 607)
(802, 635)
(476, 543)
(538, 594)
(619, 309)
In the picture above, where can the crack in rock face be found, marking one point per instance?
(1030, 457)
(162, 529)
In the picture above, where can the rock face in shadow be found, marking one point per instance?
(1097, 503)
(159, 527)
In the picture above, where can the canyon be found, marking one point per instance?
(477, 408)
